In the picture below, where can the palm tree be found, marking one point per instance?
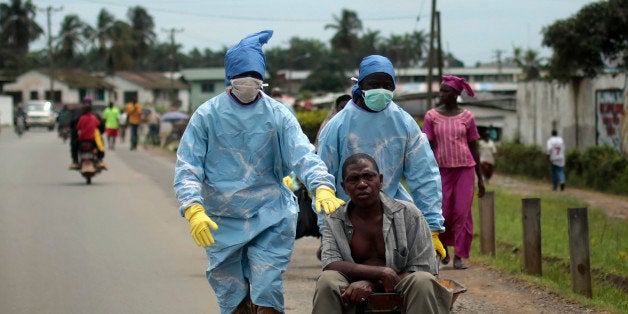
(103, 30)
(345, 44)
(369, 43)
(419, 45)
(17, 30)
(120, 55)
(399, 49)
(143, 34)
(73, 33)
(529, 62)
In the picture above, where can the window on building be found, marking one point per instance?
(208, 87)
(128, 95)
(100, 94)
(56, 98)
(34, 95)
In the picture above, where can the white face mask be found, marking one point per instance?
(246, 88)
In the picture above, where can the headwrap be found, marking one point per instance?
(373, 64)
(457, 83)
(87, 100)
(247, 56)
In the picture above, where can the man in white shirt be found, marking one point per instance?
(556, 151)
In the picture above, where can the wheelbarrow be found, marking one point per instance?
(393, 303)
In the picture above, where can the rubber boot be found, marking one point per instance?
(265, 310)
(245, 306)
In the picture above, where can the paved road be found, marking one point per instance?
(116, 246)
(119, 245)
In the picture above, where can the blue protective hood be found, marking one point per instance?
(376, 63)
(247, 56)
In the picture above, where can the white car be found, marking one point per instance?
(40, 113)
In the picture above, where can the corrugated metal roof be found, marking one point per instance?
(151, 80)
(199, 74)
(78, 78)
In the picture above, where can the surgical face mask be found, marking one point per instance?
(246, 88)
(377, 99)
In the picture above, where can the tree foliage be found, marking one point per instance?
(17, 30)
(113, 44)
(582, 42)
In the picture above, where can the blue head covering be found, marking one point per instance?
(373, 64)
(247, 56)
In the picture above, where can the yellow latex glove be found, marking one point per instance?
(288, 182)
(200, 224)
(438, 246)
(326, 198)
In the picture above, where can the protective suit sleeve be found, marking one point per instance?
(189, 171)
(298, 154)
(423, 177)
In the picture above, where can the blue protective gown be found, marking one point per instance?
(401, 150)
(232, 159)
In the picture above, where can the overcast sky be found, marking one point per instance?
(472, 30)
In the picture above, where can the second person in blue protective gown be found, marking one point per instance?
(230, 163)
(372, 123)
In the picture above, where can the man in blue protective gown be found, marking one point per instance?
(373, 124)
(231, 160)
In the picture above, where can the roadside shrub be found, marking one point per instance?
(524, 160)
(600, 168)
(603, 168)
(310, 122)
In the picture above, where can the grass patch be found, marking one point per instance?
(608, 248)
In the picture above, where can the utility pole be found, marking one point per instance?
(439, 51)
(498, 55)
(172, 57)
(430, 57)
(51, 70)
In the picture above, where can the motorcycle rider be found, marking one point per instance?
(19, 114)
(63, 119)
(84, 124)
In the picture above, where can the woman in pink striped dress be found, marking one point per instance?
(453, 136)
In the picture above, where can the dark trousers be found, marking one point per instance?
(134, 128)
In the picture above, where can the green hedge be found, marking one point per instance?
(523, 160)
(600, 168)
(310, 122)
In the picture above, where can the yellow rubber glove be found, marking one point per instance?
(438, 246)
(326, 198)
(287, 181)
(200, 224)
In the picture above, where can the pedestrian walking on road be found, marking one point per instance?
(487, 155)
(122, 123)
(111, 116)
(231, 160)
(453, 136)
(556, 150)
(134, 119)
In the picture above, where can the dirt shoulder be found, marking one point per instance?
(489, 291)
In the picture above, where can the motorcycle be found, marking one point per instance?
(64, 132)
(89, 164)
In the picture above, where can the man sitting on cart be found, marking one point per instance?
(358, 238)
